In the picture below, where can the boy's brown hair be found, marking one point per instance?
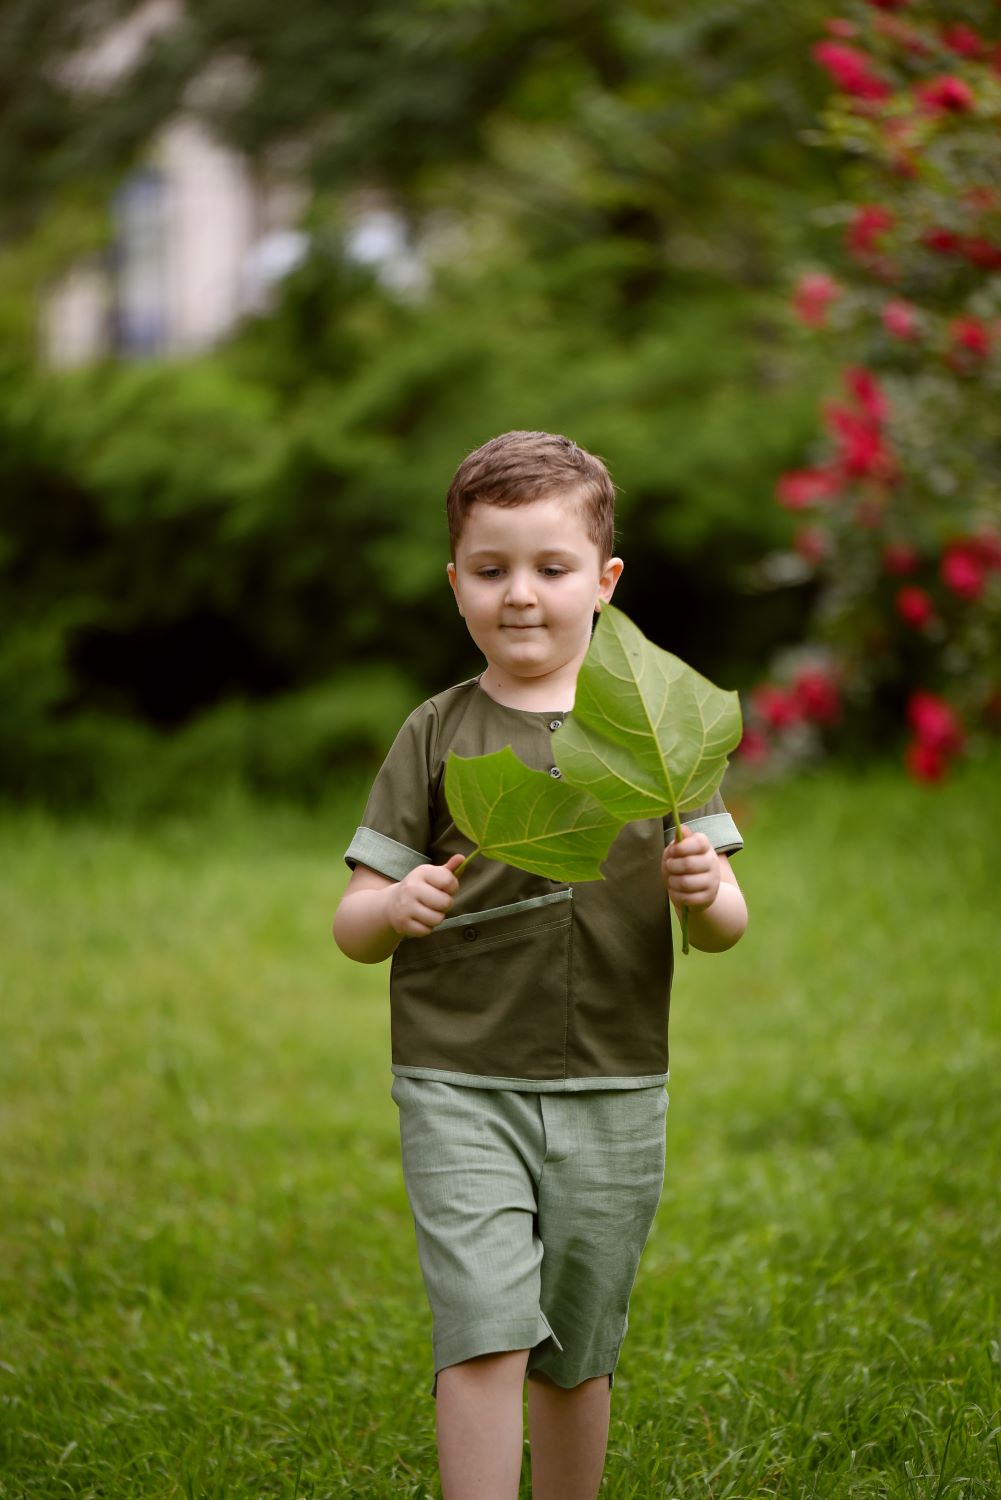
(518, 467)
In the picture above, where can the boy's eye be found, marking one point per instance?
(489, 572)
(553, 572)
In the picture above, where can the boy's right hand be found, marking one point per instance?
(418, 902)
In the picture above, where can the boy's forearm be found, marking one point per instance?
(715, 928)
(362, 930)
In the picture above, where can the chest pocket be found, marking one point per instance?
(488, 992)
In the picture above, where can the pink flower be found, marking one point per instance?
(869, 222)
(935, 723)
(813, 296)
(801, 488)
(963, 40)
(900, 319)
(963, 570)
(754, 745)
(811, 544)
(817, 694)
(924, 762)
(915, 607)
(851, 70)
(900, 558)
(775, 706)
(945, 95)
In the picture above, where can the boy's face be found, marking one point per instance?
(527, 579)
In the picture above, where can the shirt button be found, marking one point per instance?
(556, 723)
(470, 934)
(555, 772)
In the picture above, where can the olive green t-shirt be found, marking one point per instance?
(529, 983)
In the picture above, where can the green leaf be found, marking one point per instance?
(647, 735)
(526, 818)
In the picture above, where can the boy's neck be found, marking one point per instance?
(554, 692)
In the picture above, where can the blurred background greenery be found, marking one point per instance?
(225, 558)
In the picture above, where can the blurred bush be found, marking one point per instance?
(235, 564)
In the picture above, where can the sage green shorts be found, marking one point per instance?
(531, 1212)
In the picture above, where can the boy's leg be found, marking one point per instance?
(568, 1433)
(480, 1426)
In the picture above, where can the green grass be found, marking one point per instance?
(208, 1277)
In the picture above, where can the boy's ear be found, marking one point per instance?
(450, 570)
(610, 575)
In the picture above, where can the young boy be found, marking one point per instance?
(529, 1018)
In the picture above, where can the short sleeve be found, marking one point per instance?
(395, 829)
(714, 821)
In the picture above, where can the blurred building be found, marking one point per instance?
(197, 238)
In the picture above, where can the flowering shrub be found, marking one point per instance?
(899, 503)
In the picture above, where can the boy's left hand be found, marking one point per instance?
(689, 868)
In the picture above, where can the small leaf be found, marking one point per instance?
(647, 734)
(526, 818)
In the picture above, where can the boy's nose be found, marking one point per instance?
(520, 589)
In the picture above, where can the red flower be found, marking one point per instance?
(851, 70)
(753, 746)
(915, 607)
(861, 453)
(889, 4)
(980, 198)
(864, 386)
(811, 543)
(987, 546)
(924, 762)
(969, 343)
(963, 570)
(981, 252)
(801, 488)
(775, 706)
(900, 319)
(935, 723)
(817, 695)
(942, 241)
(963, 40)
(813, 295)
(868, 223)
(900, 558)
(945, 95)
(837, 26)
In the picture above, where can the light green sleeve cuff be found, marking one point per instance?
(382, 854)
(719, 829)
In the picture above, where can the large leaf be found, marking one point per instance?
(526, 818)
(647, 735)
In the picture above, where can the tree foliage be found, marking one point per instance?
(604, 198)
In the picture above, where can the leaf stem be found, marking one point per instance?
(458, 871)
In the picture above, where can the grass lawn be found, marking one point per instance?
(208, 1275)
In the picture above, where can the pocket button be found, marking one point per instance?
(555, 772)
(470, 934)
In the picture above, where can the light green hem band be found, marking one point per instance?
(382, 854)
(719, 829)
(530, 1085)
